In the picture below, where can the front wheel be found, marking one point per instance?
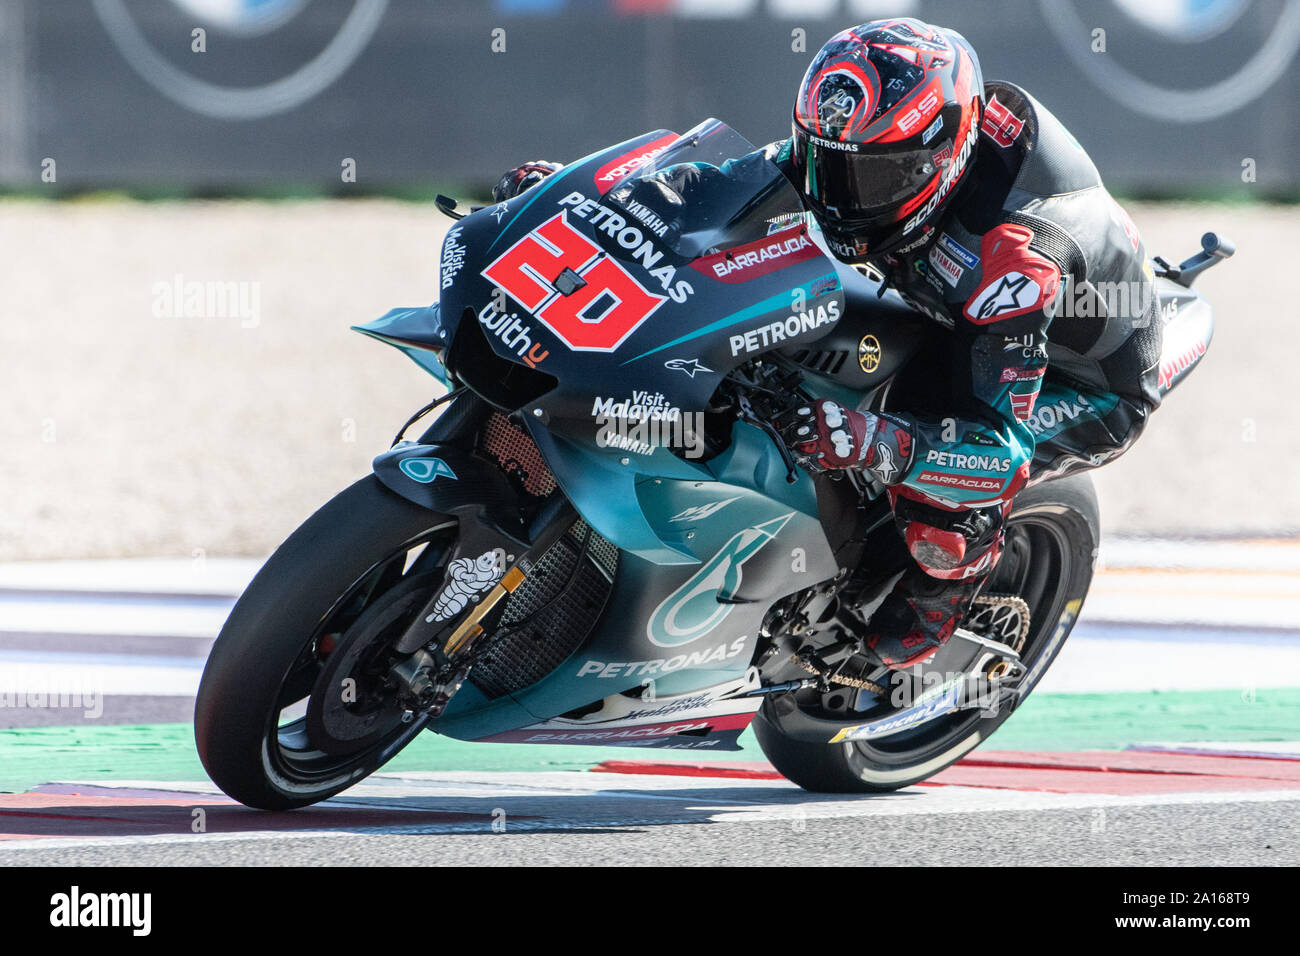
(272, 729)
(1052, 537)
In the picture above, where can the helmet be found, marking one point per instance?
(885, 126)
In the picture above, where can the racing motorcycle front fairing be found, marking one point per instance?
(601, 309)
(610, 301)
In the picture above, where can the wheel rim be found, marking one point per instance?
(1037, 559)
(293, 757)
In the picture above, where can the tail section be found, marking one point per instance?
(1188, 329)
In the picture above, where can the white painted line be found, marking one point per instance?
(1237, 599)
(23, 673)
(1250, 554)
(1283, 749)
(221, 577)
(113, 615)
(1179, 662)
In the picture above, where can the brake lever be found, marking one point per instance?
(748, 414)
(447, 206)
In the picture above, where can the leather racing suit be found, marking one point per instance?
(1049, 365)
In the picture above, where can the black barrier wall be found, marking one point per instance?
(1181, 95)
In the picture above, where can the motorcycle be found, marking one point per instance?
(602, 539)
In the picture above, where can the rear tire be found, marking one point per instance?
(1056, 515)
(350, 562)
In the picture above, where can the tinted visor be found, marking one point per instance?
(860, 188)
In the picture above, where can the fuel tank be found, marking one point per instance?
(876, 337)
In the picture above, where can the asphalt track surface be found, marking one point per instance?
(571, 819)
(1211, 786)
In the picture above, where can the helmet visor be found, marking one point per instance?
(860, 187)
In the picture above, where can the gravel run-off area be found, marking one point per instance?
(129, 433)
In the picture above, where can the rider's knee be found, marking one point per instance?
(949, 555)
(950, 545)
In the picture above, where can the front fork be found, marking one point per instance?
(437, 649)
(499, 540)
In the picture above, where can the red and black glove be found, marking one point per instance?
(523, 177)
(831, 436)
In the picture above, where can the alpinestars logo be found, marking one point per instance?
(694, 610)
(689, 366)
(1015, 292)
(884, 464)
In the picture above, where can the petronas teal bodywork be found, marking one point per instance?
(705, 546)
(703, 601)
(416, 332)
(702, 586)
(631, 504)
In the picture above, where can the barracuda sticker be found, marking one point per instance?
(759, 258)
(694, 610)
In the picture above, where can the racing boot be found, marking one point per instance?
(917, 618)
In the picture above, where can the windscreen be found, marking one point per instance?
(707, 192)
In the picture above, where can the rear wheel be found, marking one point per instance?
(1052, 537)
(275, 723)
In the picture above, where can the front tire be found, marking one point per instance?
(1052, 538)
(358, 569)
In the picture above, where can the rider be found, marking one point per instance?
(978, 206)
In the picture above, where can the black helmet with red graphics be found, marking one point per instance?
(885, 127)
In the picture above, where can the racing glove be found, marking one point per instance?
(523, 177)
(830, 437)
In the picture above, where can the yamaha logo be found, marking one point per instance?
(869, 353)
